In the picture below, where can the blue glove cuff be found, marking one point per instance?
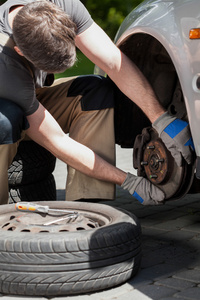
(190, 143)
(135, 195)
(175, 127)
(162, 122)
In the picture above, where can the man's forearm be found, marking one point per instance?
(45, 131)
(99, 48)
(86, 161)
(135, 86)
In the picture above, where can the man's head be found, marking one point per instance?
(45, 35)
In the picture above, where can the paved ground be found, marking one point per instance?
(171, 246)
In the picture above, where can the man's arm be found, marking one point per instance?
(45, 131)
(98, 47)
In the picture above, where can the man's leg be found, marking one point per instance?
(12, 122)
(76, 104)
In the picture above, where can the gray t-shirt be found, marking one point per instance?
(16, 82)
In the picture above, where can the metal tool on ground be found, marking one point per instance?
(69, 218)
(32, 207)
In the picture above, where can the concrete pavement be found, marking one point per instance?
(171, 246)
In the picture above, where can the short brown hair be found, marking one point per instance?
(45, 34)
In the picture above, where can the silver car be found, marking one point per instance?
(162, 37)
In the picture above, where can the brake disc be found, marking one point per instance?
(155, 162)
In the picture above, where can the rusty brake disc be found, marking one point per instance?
(154, 162)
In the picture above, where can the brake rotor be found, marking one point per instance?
(159, 167)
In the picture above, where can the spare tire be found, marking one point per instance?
(100, 249)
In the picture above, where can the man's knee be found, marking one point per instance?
(12, 122)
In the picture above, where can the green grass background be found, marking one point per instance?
(82, 66)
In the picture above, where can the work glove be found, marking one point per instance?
(176, 136)
(143, 190)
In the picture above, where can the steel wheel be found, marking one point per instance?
(67, 257)
(38, 223)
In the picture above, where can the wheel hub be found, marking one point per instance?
(155, 162)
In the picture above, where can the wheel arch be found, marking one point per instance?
(159, 67)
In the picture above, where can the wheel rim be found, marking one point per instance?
(38, 223)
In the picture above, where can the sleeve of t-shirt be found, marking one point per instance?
(17, 85)
(78, 13)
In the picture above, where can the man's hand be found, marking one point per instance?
(143, 190)
(176, 135)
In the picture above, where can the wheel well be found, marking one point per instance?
(155, 63)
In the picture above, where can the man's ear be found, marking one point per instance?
(18, 50)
